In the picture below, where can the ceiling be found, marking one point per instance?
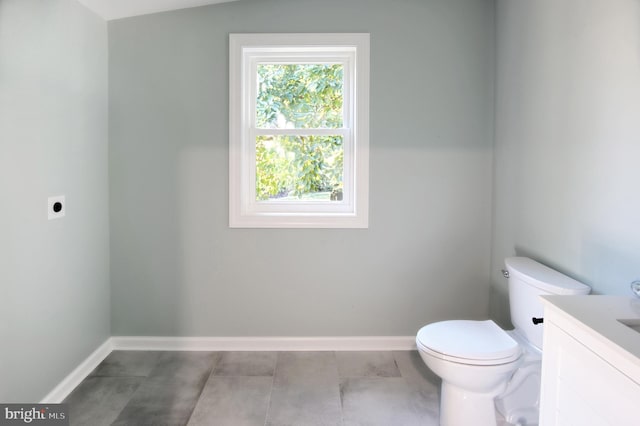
(116, 9)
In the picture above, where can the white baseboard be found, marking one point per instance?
(357, 343)
(69, 383)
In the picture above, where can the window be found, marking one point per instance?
(299, 130)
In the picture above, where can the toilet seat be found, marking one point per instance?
(468, 342)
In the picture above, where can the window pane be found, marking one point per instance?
(300, 96)
(299, 168)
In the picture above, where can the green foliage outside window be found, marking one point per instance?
(299, 96)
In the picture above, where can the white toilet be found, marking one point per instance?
(483, 367)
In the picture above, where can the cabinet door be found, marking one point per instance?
(580, 388)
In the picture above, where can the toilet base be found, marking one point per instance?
(461, 407)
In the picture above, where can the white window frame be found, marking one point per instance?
(245, 52)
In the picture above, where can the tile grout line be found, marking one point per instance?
(213, 367)
(273, 382)
(339, 379)
(144, 379)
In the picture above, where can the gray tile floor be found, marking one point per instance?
(257, 388)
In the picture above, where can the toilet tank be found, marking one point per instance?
(528, 280)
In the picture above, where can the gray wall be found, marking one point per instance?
(54, 275)
(176, 267)
(567, 181)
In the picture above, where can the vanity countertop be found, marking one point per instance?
(608, 325)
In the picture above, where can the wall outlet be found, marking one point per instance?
(56, 207)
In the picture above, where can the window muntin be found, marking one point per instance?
(294, 108)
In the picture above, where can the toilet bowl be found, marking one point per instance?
(475, 360)
(484, 368)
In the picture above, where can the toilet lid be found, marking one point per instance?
(462, 340)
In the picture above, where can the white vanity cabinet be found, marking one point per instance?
(591, 361)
